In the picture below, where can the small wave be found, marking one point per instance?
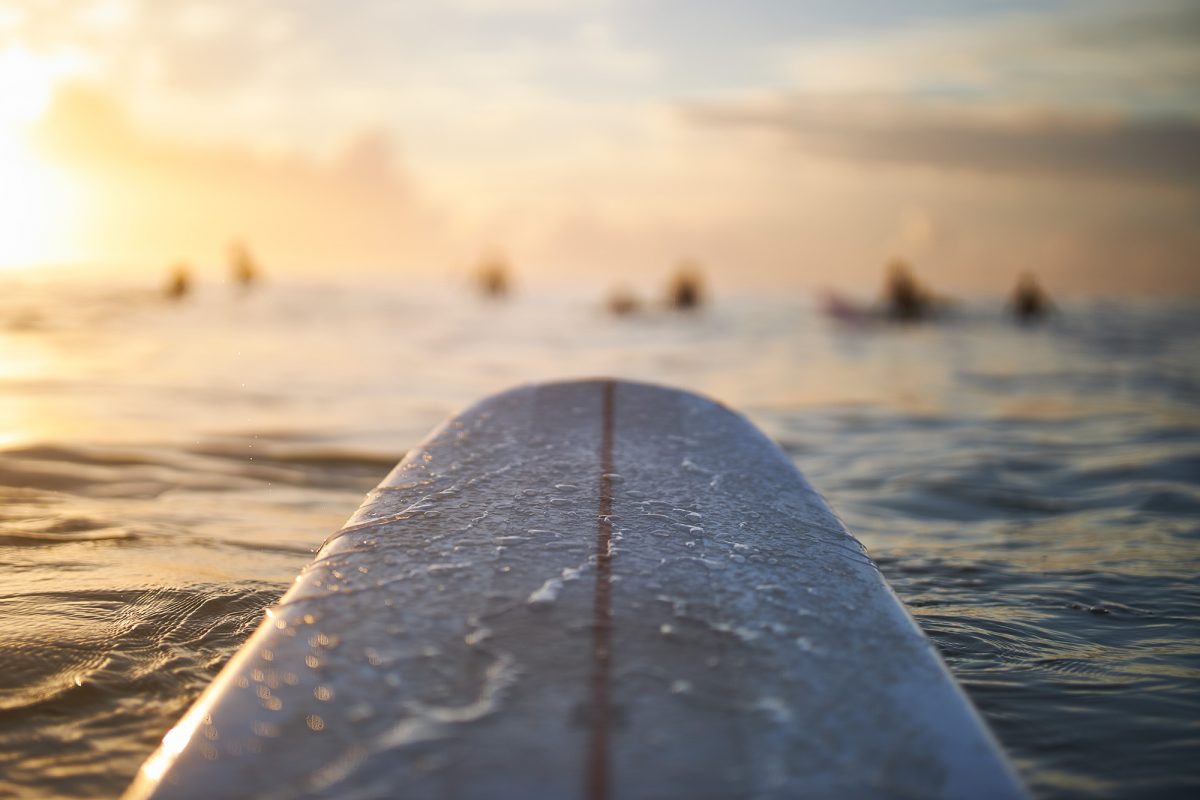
(109, 637)
(20, 530)
(262, 547)
(148, 473)
(257, 460)
(266, 452)
(1089, 667)
(92, 679)
(81, 478)
(12, 537)
(76, 455)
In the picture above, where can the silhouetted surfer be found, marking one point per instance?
(1029, 302)
(904, 299)
(245, 271)
(623, 302)
(492, 277)
(686, 291)
(179, 284)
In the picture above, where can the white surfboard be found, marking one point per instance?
(596, 589)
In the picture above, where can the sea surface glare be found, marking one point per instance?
(166, 469)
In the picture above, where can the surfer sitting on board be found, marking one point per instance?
(1029, 302)
(686, 291)
(904, 299)
(245, 271)
(492, 277)
(179, 284)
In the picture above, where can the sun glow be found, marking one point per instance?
(36, 199)
(26, 83)
(36, 204)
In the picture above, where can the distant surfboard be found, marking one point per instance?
(596, 589)
(840, 308)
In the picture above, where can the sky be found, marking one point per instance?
(778, 142)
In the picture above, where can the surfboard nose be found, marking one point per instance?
(597, 589)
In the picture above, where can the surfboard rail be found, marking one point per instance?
(598, 589)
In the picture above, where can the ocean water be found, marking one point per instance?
(1032, 494)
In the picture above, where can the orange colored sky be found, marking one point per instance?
(789, 143)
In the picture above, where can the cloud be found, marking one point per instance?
(1098, 90)
(1076, 144)
(1120, 57)
(160, 198)
(494, 7)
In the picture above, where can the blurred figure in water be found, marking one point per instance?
(623, 302)
(179, 283)
(686, 290)
(492, 277)
(904, 299)
(1029, 302)
(245, 271)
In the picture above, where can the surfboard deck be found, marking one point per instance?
(595, 589)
